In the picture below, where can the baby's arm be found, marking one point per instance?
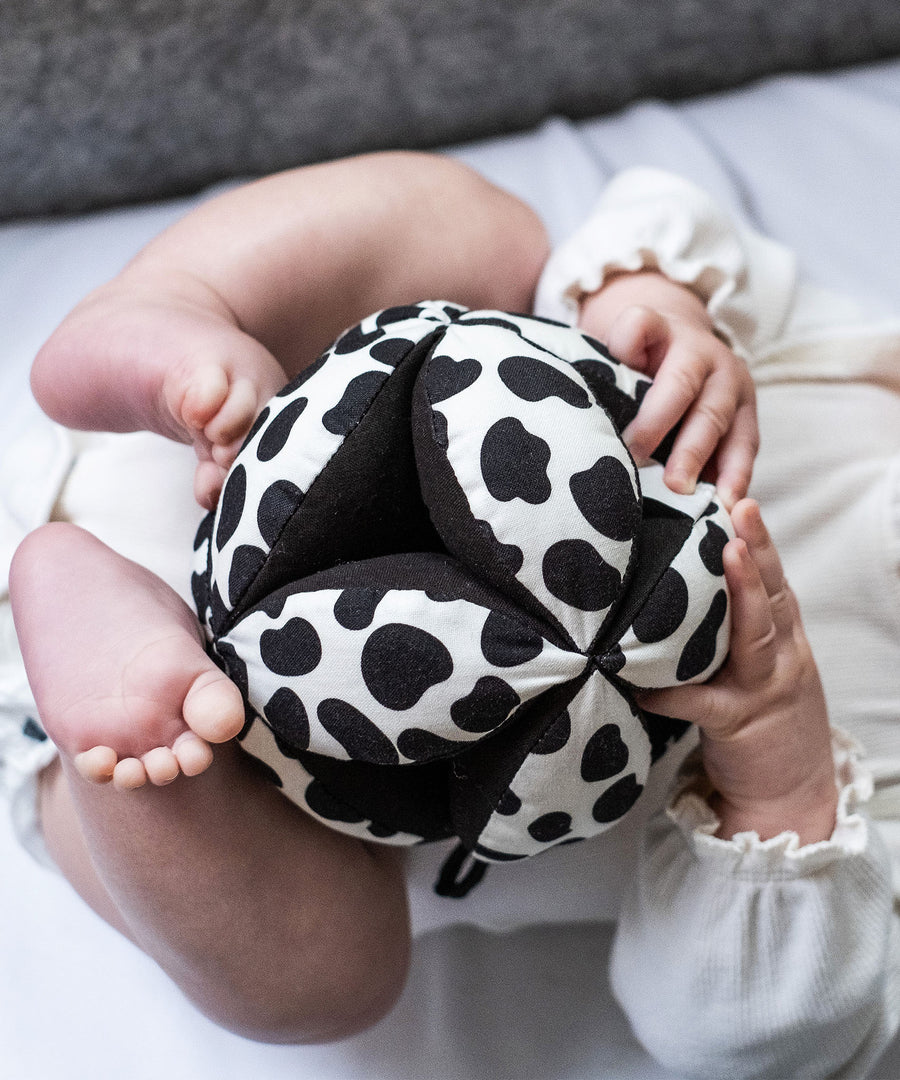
(215, 314)
(758, 936)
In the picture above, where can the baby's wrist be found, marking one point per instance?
(811, 813)
(642, 288)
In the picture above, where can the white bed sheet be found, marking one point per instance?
(811, 160)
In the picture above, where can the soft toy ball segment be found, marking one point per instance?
(437, 576)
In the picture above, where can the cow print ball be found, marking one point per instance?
(438, 576)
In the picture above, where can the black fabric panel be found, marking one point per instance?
(366, 501)
(400, 798)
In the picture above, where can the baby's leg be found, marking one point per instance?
(217, 312)
(274, 926)
(116, 662)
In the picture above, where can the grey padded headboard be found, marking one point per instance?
(105, 101)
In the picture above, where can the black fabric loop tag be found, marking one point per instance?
(452, 882)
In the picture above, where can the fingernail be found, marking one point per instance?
(681, 482)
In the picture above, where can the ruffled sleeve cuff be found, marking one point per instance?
(782, 856)
(650, 219)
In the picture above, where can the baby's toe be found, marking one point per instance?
(214, 708)
(161, 766)
(129, 774)
(206, 393)
(97, 764)
(208, 480)
(236, 415)
(194, 754)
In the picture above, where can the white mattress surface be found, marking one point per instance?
(811, 160)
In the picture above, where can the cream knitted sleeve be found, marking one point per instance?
(743, 958)
(650, 219)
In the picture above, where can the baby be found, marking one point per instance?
(189, 341)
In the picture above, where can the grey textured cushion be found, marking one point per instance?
(103, 101)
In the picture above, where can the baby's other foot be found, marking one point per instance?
(122, 682)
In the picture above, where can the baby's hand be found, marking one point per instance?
(765, 736)
(662, 329)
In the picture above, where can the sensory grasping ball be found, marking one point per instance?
(437, 575)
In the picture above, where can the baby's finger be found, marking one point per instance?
(753, 631)
(736, 455)
(749, 525)
(639, 337)
(706, 422)
(676, 386)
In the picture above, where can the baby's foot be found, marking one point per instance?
(122, 682)
(169, 359)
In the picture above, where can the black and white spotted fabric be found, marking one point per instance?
(437, 575)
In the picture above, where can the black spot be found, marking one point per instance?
(356, 399)
(218, 611)
(205, 531)
(556, 736)
(286, 713)
(664, 610)
(246, 563)
(506, 642)
(360, 737)
(380, 832)
(231, 505)
(398, 313)
(509, 803)
(294, 649)
(322, 802)
(400, 662)
(711, 547)
(550, 827)
(514, 463)
(276, 434)
(445, 376)
(700, 650)
(617, 800)
(605, 755)
(355, 608)
(257, 424)
(489, 703)
(390, 351)
(278, 504)
(576, 573)
(200, 593)
(605, 496)
(510, 556)
(31, 729)
(533, 380)
(420, 745)
(356, 338)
